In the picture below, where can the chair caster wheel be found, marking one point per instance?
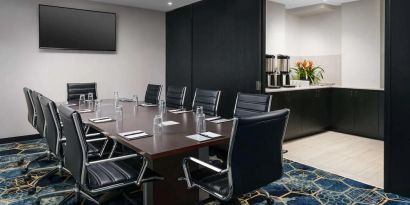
(270, 201)
(27, 178)
(24, 170)
(31, 191)
(20, 162)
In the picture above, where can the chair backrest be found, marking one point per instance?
(208, 99)
(40, 122)
(30, 107)
(175, 96)
(251, 104)
(255, 151)
(74, 90)
(54, 130)
(153, 93)
(76, 147)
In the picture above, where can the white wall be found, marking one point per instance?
(275, 28)
(346, 42)
(318, 38)
(361, 44)
(140, 58)
(315, 37)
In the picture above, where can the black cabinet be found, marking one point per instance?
(357, 112)
(351, 111)
(293, 100)
(366, 113)
(316, 111)
(342, 110)
(309, 111)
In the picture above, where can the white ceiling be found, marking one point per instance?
(291, 4)
(159, 5)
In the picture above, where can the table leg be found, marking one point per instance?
(171, 191)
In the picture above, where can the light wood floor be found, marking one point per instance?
(349, 156)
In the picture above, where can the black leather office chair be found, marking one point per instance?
(55, 140)
(175, 96)
(40, 127)
(153, 94)
(40, 122)
(74, 90)
(30, 107)
(97, 177)
(246, 105)
(251, 104)
(208, 99)
(254, 158)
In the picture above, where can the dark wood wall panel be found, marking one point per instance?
(397, 96)
(227, 48)
(179, 49)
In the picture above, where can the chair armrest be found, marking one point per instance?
(113, 159)
(206, 165)
(97, 139)
(187, 174)
(143, 168)
(93, 134)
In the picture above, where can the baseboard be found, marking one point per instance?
(19, 138)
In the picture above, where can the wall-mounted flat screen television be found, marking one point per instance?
(76, 29)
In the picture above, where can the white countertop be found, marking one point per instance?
(273, 90)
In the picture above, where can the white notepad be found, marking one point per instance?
(212, 118)
(182, 111)
(84, 111)
(148, 105)
(101, 119)
(222, 120)
(198, 137)
(133, 134)
(211, 134)
(169, 123)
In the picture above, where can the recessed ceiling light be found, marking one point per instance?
(170, 3)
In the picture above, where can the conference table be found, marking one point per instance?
(164, 152)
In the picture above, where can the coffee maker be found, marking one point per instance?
(283, 68)
(273, 77)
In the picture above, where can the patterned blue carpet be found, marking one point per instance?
(301, 184)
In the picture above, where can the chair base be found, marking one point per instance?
(25, 169)
(267, 196)
(59, 170)
(75, 193)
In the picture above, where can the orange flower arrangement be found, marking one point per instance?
(305, 70)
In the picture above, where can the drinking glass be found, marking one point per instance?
(162, 108)
(116, 99)
(90, 101)
(135, 98)
(199, 110)
(118, 113)
(97, 108)
(200, 123)
(90, 96)
(81, 103)
(157, 127)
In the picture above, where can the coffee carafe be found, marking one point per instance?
(271, 72)
(283, 68)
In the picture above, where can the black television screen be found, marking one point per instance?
(76, 29)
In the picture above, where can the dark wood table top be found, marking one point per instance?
(173, 139)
